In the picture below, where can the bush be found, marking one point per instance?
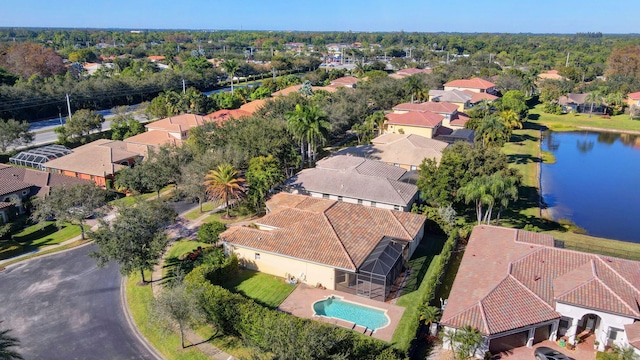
(209, 232)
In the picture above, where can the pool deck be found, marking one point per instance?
(300, 303)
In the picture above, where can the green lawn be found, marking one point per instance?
(421, 267)
(179, 248)
(569, 122)
(130, 200)
(35, 237)
(206, 207)
(219, 216)
(265, 289)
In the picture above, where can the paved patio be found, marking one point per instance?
(300, 303)
(583, 351)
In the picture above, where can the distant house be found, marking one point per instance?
(475, 85)
(98, 161)
(423, 123)
(225, 114)
(452, 117)
(459, 98)
(550, 75)
(578, 103)
(346, 81)
(253, 106)
(334, 244)
(172, 130)
(452, 136)
(633, 99)
(19, 183)
(355, 180)
(404, 150)
(529, 291)
(403, 73)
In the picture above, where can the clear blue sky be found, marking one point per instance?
(541, 16)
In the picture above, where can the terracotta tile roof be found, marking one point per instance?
(405, 149)
(224, 115)
(413, 71)
(155, 57)
(5, 204)
(634, 95)
(545, 274)
(253, 106)
(345, 80)
(154, 138)
(177, 123)
(357, 178)
(632, 331)
(436, 107)
(11, 185)
(415, 118)
(477, 97)
(98, 158)
(40, 182)
(327, 232)
(475, 83)
(459, 119)
(287, 91)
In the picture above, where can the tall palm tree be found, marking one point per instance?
(317, 131)
(511, 119)
(377, 121)
(7, 342)
(297, 126)
(595, 98)
(477, 191)
(414, 84)
(231, 67)
(492, 131)
(504, 190)
(224, 182)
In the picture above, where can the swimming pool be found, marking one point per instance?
(338, 308)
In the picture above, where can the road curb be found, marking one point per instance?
(132, 325)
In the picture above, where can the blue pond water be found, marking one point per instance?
(595, 182)
(352, 312)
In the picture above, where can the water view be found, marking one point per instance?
(595, 182)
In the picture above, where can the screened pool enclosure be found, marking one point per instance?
(35, 158)
(377, 275)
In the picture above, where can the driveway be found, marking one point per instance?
(64, 307)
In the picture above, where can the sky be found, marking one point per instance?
(469, 16)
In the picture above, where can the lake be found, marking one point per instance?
(595, 182)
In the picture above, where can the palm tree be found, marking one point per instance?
(468, 340)
(231, 67)
(492, 132)
(318, 130)
(511, 119)
(413, 84)
(297, 125)
(429, 313)
(478, 191)
(624, 352)
(616, 102)
(6, 343)
(224, 182)
(504, 190)
(377, 119)
(595, 98)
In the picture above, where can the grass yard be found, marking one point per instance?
(219, 217)
(265, 289)
(421, 267)
(569, 122)
(206, 207)
(130, 200)
(34, 237)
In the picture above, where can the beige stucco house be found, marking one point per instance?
(475, 85)
(519, 288)
(334, 244)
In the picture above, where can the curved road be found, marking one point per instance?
(63, 306)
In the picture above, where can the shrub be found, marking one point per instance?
(209, 233)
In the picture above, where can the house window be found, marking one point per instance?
(396, 164)
(359, 201)
(339, 198)
(413, 168)
(325, 196)
(373, 204)
(257, 257)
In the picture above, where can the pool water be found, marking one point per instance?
(368, 317)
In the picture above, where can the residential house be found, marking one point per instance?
(172, 130)
(334, 244)
(253, 106)
(346, 81)
(518, 289)
(225, 114)
(451, 136)
(550, 75)
(296, 88)
(98, 161)
(404, 150)
(412, 71)
(633, 99)
(19, 183)
(475, 85)
(457, 97)
(476, 97)
(423, 123)
(578, 103)
(355, 180)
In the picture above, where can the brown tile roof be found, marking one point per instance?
(332, 233)
(10, 185)
(5, 204)
(177, 123)
(154, 138)
(406, 149)
(40, 181)
(475, 83)
(98, 158)
(441, 107)
(155, 57)
(572, 98)
(415, 118)
(546, 275)
(357, 178)
(459, 119)
(632, 331)
(287, 91)
(413, 71)
(345, 80)
(225, 114)
(253, 106)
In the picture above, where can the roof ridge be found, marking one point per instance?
(400, 223)
(599, 257)
(577, 286)
(484, 316)
(634, 311)
(337, 237)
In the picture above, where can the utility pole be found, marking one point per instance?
(567, 63)
(68, 106)
(184, 87)
(490, 55)
(447, 57)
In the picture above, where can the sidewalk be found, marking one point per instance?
(185, 229)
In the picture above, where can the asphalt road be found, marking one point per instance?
(64, 307)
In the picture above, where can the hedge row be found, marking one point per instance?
(278, 333)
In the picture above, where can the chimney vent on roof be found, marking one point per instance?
(536, 278)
